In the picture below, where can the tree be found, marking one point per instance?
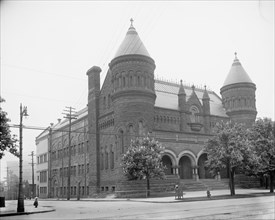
(7, 142)
(261, 139)
(143, 160)
(227, 149)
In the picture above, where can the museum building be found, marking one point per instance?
(132, 103)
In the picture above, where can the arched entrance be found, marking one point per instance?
(185, 168)
(166, 160)
(203, 171)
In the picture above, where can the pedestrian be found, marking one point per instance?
(35, 202)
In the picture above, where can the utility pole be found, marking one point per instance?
(70, 114)
(32, 163)
(50, 159)
(8, 183)
(20, 202)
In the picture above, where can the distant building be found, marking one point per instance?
(132, 103)
(12, 179)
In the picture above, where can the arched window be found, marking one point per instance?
(106, 159)
(104, 102)
(121, 141)
(102, 161)
(112, 157)
(109, 101)
(141, 130)
(194, 114)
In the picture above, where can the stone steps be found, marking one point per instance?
(138, 188)
(164, 187)
(243, 181)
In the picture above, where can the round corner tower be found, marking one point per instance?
(133, 94)
(238, 95)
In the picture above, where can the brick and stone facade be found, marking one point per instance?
(132, 103)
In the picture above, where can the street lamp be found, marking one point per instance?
(20, 203)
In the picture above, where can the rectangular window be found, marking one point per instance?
(37, 160)
(43, 176)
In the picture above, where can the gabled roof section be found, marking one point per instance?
(131, 44)
(167, 97)
(237, 74)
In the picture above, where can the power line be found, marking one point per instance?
(41, 71)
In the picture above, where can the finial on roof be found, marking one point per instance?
(193, 88)
(236, 58)
(205, 93)
(131, 20)
(181, 90)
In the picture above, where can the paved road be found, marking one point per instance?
(245, 208)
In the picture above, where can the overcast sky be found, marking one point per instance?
(47, 47)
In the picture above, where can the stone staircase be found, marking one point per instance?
(243, 181)
(137, 188)
(204, 184)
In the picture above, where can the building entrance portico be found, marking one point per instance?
(166, 160)
(203, 171)
(185, 168)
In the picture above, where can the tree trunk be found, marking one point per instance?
(148, 187)
(271, 181)
(233, 181)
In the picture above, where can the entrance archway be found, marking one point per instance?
(185, 168)
(203, 171)
(166, 160)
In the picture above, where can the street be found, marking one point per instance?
(246, 208)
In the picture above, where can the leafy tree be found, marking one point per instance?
(261, 140)
(7, 142)
(227, 149)
(143, 160)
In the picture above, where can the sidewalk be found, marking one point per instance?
(11, 206)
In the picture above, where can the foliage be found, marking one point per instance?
(7, 142)
(143, 160)
(227, 149)
(262, 142)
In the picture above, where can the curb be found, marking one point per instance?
(25, 213)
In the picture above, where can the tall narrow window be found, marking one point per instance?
(121, 140)
(112, 158)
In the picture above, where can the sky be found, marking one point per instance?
(48, 46)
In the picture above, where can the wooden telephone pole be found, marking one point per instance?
(33, 187)
(70, 114)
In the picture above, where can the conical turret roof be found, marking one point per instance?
(131, 44)
(237, 74)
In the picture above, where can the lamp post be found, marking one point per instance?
(20, 202)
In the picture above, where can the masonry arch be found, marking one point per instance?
(203, 171)
(169, 160)
(187, 161)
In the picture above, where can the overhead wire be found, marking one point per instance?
(154, 135)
